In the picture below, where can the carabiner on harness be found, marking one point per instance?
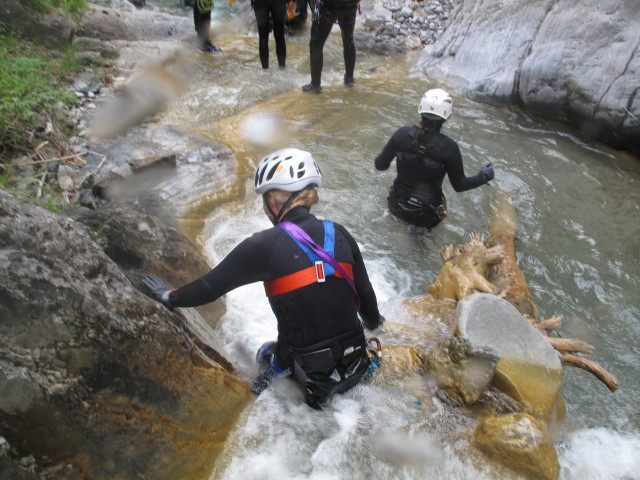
(376, 354)
(375, 359)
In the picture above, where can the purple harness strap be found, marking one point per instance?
(299, 235)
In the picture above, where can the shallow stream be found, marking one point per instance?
(578, 206)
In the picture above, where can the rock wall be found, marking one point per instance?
(577, 62)
(50, 29)
(97, 379)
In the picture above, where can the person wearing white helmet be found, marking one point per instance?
(314, 276)
(423, 157)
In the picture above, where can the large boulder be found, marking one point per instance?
(106, 23)
(164, 170)
(531, 53)
(97, 379)
(49, 29)
(520, 442)
(529, 369)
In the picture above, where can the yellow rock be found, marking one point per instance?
(521, 443)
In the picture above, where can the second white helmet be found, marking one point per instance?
(436, 102)
(289, 169)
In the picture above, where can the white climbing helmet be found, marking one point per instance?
(289, 169)
(436, 102)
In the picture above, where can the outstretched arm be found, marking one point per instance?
(247, 263)
(455, 171)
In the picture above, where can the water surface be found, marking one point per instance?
(578, 246)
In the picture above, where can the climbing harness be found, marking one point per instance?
(315, 10)
(329, 367)
(323, 263)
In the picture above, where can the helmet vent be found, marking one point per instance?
(272, 171)
(264, 169)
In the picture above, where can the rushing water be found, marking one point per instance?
(578, 246)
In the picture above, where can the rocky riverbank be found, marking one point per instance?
(530, 53)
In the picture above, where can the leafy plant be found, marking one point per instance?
(32, 82)
(29, 189)
(61, 7)
(97, 233)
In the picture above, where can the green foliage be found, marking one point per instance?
(31, 84)
(100, 238)
(7, 180)
(26, 189)
(61, 7)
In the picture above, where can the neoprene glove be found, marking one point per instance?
(486, 172)
(159, 289)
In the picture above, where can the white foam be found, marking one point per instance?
(600, 454)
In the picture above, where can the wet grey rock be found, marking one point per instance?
(90, 367)
(113, 24)
(461, 370)
(51, 30)
(65, 178)
(587, 77)
(92, 44)
(87, 199)
(87, 82)
(89, 57)
(530, 370)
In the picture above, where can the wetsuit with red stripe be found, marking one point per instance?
(308, 315)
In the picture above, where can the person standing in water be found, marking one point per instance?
(202, 21)
(423, 157)
(277, 9)
(325, 14)
(314, 276)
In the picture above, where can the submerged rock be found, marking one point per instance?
(521, 443)
(461, 371)
(529, 369)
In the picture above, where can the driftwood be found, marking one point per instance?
(512, 285)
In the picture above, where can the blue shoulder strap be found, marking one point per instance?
(314, 251)
(329, 245)
(329, 241)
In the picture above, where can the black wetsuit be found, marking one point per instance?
(344, 12)
(311, 316)
(277, 10)
(416, 195)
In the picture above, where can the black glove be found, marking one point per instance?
(486, 173)
(159, 289)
